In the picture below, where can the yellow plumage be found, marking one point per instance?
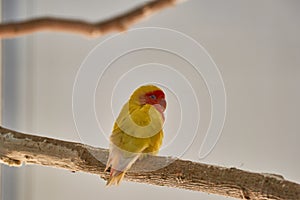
(137, 131)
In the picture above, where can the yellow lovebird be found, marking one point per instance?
(137, 131)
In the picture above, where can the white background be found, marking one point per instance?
(255, 44)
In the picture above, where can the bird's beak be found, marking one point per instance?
(163, 103)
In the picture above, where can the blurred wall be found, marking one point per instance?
(255, 45)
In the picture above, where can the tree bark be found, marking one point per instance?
(118, 23)
(17, 148)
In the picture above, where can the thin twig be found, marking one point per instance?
(17, 148)
(119, 23)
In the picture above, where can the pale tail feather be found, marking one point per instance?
(119, 162)
(115, 177)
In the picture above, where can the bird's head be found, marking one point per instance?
(150, 94)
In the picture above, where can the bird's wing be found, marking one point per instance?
(131, 135)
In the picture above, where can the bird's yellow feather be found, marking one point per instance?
(137, 131)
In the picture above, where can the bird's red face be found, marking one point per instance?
(155, 98)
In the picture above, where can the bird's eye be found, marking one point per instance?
(152, 96)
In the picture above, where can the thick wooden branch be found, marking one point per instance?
(17, 148)
(119, 23)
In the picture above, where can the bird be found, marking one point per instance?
(137, 131)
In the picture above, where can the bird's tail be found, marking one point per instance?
(119, 162)
(115, 177)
